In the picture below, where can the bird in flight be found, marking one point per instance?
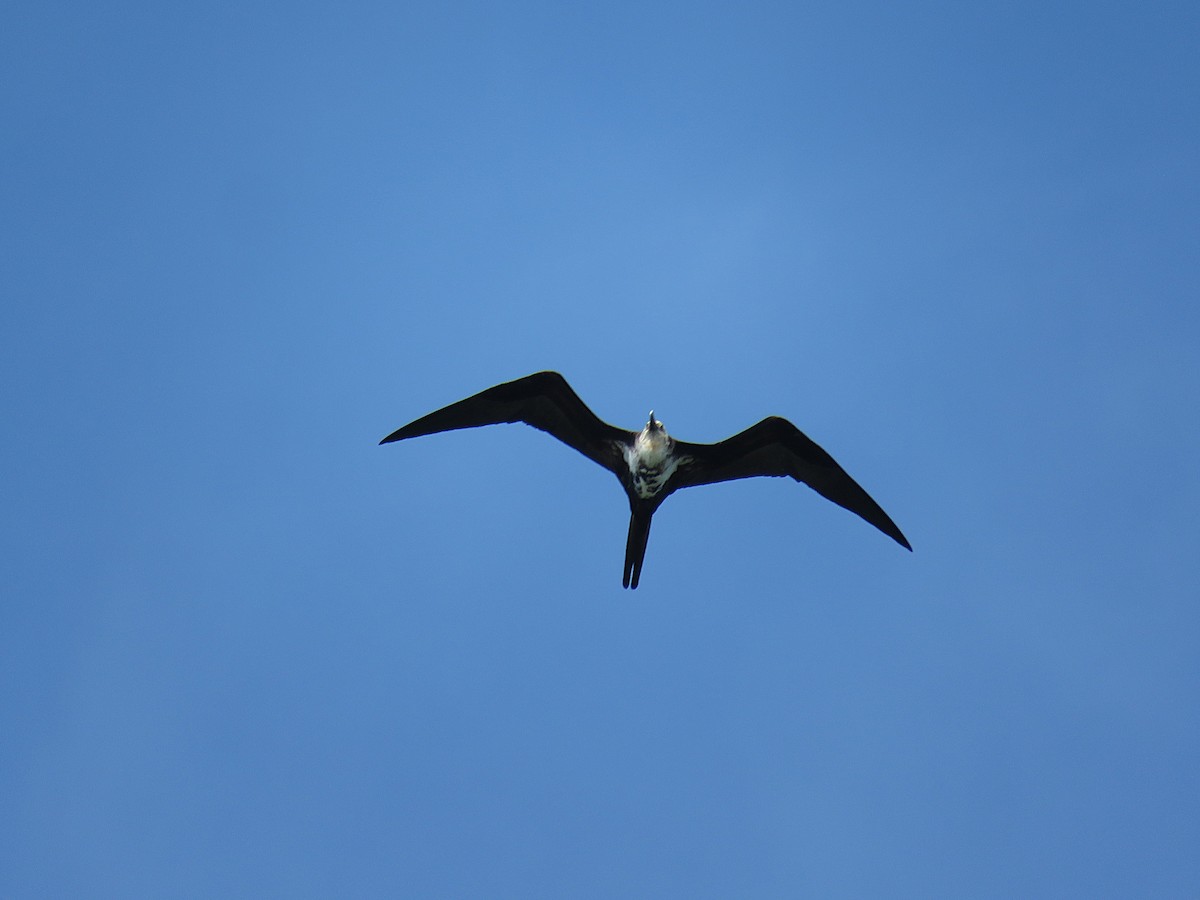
(650, 464)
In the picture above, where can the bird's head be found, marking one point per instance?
(654, 437)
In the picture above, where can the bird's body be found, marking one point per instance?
(650, 464)
(651, 460)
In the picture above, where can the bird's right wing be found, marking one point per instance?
(543, 400)
(777, 447)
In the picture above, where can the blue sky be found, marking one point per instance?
(245, 651)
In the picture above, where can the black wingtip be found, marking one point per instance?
(896, 535)
(397, 435)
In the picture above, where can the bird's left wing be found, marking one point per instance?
(543, 400)
(777, 447)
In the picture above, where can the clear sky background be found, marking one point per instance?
(245, 651)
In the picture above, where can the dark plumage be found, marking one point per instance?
(650, 464)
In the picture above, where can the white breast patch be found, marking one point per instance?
(651, 465)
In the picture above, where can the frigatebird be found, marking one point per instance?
(650, 464)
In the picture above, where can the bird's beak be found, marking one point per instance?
(650, 424)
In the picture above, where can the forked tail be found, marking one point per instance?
(635, 547)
